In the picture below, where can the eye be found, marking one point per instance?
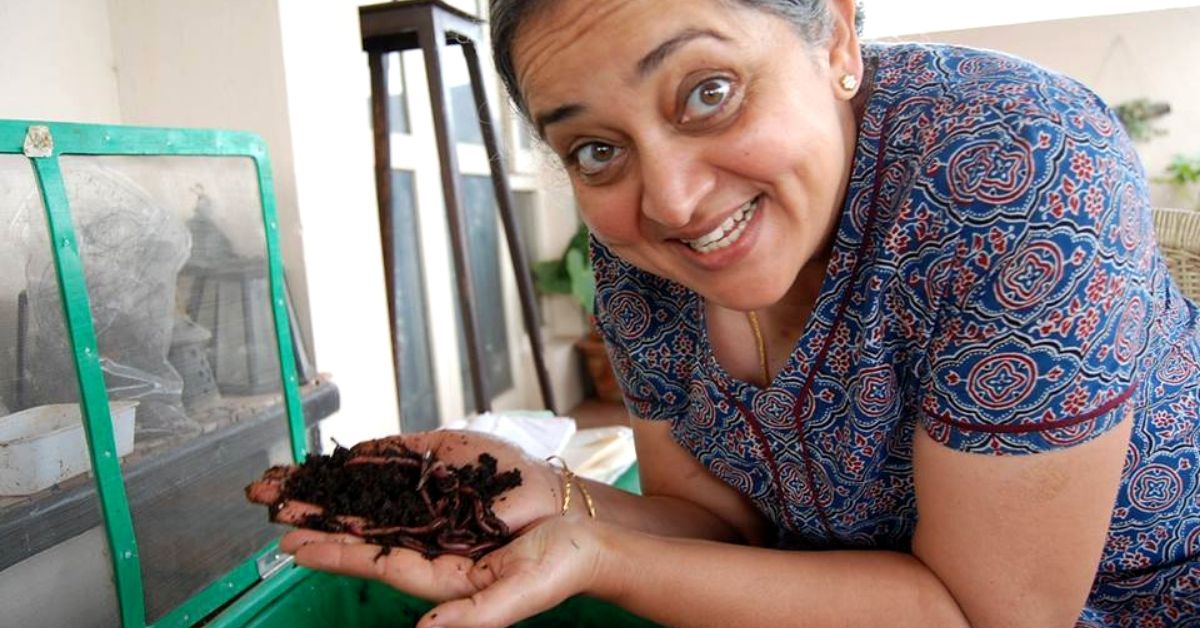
(706, 99)
(594, 157)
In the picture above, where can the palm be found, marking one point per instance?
(552, 561)
(536, 497)
(441, 578)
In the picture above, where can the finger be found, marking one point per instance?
(418, 442)
(264, 491)
(269, 488)
(443, 578)
(294, 513)
(503, 602)
(278, 473)
(296, 539)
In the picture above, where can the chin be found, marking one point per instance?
(741, 299)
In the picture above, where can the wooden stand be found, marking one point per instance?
(431, 26)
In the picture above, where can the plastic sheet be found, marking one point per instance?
(133, 250)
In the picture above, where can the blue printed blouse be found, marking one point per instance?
(995, 282)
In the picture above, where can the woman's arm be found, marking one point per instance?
(681, 498)
(1002, 541)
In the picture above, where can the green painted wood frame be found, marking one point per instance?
(43, 143)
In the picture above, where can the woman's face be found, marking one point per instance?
(706, 142)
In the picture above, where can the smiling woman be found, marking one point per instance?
(897, 303)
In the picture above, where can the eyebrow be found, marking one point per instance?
(645, 66)
(655, 57)
(558, 114)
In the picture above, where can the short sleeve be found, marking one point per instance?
(649, 335)
(1044, 313)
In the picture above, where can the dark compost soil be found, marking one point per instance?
(401, 498)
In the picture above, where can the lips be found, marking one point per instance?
(728, 232)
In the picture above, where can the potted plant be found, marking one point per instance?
(1138, 116)
(572, 275)
(1183, 174)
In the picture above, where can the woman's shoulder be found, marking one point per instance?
(988, 136)
(959, 70)
(952, 89)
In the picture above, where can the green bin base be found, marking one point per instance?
(299, 598)
(321, 599)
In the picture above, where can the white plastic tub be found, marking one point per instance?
(45, 445)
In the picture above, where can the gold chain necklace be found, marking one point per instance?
(762, 347)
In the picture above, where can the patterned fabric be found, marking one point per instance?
(995, 280)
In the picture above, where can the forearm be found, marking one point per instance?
(657, 515)
(699, 583)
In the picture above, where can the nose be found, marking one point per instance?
(675, 178)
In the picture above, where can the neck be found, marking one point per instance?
(786, 317)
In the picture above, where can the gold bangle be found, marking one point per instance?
(587, 499)
(569, 478)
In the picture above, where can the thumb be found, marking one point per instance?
(505, 602)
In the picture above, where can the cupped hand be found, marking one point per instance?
(548, 563)
(538, 496)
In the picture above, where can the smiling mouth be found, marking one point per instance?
(728, 232)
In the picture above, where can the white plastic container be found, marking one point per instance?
(45, 445)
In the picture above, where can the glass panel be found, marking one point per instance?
(418, 398)
(396, 102)
(175, 257)
(49, 510)
(482, 216)
(525, 204)
(524, 133)
(462, 101)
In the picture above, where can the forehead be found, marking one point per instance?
(573, 39)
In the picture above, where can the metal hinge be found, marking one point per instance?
(38, 142)
(272, 563)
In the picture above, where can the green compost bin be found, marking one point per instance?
(302, 598)
(319, 599)
(249, 585)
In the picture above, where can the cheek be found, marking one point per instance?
(612, 215)
(783, 138)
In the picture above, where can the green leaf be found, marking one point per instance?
(551, 277)
(583, 287)
(573, 274)
(575, 262)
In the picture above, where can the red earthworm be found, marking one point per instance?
(482, 548)
(432, 526)
(403, 462)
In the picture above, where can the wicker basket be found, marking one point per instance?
(1178, 232)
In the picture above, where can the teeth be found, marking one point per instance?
(728, 232)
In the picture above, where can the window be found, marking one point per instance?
(418, 397)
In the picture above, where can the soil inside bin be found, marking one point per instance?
(401, 498)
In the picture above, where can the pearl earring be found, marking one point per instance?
(849, 82)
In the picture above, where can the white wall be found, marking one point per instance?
(327, 89)
(1141, 55)
(887, 18)
(56, 61)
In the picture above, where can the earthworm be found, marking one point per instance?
(407, 499)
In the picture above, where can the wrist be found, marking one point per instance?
(575, 501)
(612, 566)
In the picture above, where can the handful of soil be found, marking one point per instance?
(393, 497)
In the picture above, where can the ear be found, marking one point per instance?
(845, 53)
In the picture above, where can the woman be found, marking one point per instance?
(900, 304)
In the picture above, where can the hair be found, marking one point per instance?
(811, 19)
